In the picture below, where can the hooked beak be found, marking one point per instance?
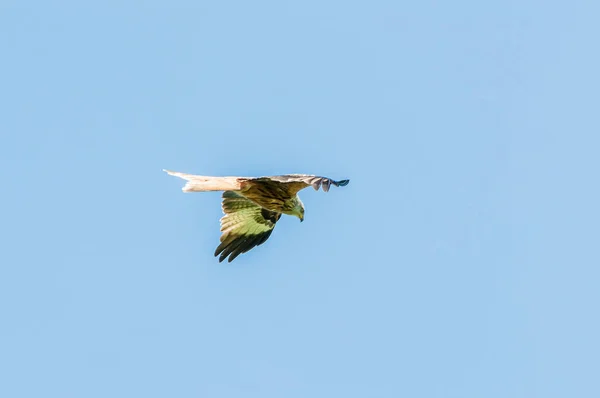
(301, 218)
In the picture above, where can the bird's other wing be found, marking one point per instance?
(244, 226)
(196, 183)
(296, 182)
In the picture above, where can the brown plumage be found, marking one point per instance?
(253, 205)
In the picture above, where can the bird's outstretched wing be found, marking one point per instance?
(297, 182)
(244, 226)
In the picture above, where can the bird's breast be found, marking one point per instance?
(268, 199)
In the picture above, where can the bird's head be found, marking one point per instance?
(298, 208)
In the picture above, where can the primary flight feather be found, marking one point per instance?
(252, 205)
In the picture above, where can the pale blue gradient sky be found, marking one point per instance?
(461, 261)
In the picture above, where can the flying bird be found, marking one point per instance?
(253, 205)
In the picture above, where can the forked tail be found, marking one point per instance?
(197, 183)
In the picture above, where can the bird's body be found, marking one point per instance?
(252, 205)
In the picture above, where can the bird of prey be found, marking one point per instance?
(252, 205)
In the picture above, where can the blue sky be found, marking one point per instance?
(460, 261)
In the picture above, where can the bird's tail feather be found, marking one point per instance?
(197, 183)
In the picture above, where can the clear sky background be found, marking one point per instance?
(460, 261)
